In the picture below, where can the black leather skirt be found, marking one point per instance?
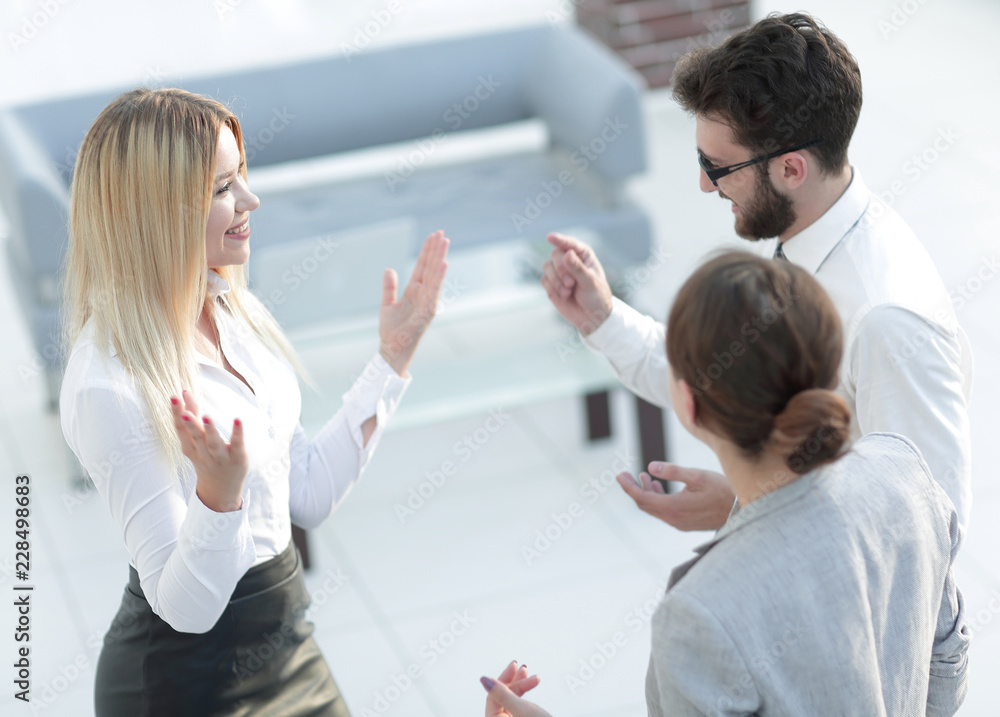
(259, 659)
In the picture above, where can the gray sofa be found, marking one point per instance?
(586, 101)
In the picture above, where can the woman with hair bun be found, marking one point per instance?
(829, 591)
(180, 399)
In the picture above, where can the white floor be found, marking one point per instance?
(447, 593)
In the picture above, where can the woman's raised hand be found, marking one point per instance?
(505, 692)
(402, 323)
(221, 467)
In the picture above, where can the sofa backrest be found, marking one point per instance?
(341, 103)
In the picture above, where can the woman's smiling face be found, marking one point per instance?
(228, 233)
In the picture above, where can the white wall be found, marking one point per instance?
(60, 47)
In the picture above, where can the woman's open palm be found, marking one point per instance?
(403, 322)
(220, 467)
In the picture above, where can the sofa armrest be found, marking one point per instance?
(591, 101)
(35, 199)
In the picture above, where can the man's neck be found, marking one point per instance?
(815, 202)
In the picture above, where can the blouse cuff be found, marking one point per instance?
(207, 530)
(377, 392)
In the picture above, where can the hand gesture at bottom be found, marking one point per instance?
(505, 693)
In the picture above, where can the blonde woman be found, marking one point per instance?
(180, 399)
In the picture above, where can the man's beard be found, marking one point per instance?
(767, 214)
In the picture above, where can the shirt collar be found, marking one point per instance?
(768, 503)
(755, 510)
(811, 246)
(217, 286)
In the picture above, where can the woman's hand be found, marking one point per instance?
(221, 467)
(402, 323)
(505, 693)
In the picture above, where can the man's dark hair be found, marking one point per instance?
(784, 81)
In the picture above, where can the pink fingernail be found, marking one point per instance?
(173, 401)
(185, 418)
(207, 422)
(238, 423)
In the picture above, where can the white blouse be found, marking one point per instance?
(189, 558)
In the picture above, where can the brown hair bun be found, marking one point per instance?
(812, 429)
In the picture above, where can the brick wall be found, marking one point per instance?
(652, 34)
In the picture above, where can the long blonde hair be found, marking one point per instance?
(136, 266)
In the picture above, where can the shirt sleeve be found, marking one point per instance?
(635, 346)
(949, 673)
(189, 558)
(323, 470)
(696, 668)
(908, 379)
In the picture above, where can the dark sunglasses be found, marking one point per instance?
(717, 173)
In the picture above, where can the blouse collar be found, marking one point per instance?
(217, 286)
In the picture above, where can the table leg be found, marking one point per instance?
(598, 416)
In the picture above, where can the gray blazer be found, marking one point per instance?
(831, 595)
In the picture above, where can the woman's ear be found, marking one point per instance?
(688, 408)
